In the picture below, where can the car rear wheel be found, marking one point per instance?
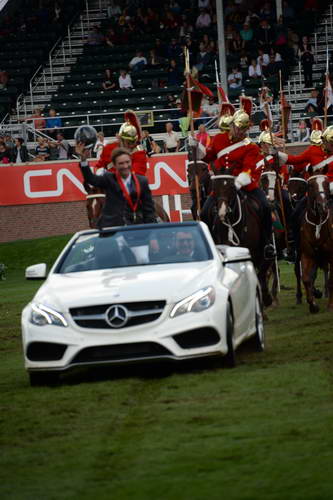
(229, 360)
(43, 378)
(257, 342)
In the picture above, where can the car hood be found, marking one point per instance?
(171, 282)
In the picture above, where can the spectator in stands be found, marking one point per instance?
(63, 147)
(149, 145)
(235, 78)
(287, 12)
(313, 99)
(174, 50)
(263, 58)
(108, 82)
(254, 69)
(159, 48)
(247, 36)
(203, 4)
(42, 150)
(264, 34)
(203, 20)
(138, 62)
(236, 44)
(210, 107)
(125, 80)
(38, 122)
(202, 136)
(267, 12)
(204, 57)
(171, 139)
(8, 141)
(53, 123)
(293, 41)
(153, 59)
(186, 28)
(307, 61)
(100, 143)
(3, 79)
(172, 101)
(174, 75)
(95, 37)
(272, 69)
(113, 9)
(303, 130)
(244, 61)
(5, 155)
(111, 39)
(311, 111)
(277, 56)
(20, 151)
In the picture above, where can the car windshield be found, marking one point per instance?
(137, 246)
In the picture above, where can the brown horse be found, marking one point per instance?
(316, 245)
(235, 221)
(199, 169)
(95, 202)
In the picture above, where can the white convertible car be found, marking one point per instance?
(140, 293)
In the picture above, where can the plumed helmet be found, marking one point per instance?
(242, 117)
(131, 129)
(226, 116)
(86, 135)
(328, 134)
(265, 137)
(317, 132)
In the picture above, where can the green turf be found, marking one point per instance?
(260, 431)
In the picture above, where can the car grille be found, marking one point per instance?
(117, 316)
(120, 352)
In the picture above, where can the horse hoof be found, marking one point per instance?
(330, 307)
(298, 301)
(317, 293)
(267, 299)
(314, 308)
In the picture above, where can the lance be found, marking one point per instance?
(278, 180)
(194, 148)
(326, 89)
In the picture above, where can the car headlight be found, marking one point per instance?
(43, 315)
(199, 301)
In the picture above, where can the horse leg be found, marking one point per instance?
(329, 272)
(275, 274)
(262, 277)
(297, 270)
(316, 292)
(307, 270)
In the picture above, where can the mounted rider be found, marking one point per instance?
(233, 152)
(269, 161)
(129, 137)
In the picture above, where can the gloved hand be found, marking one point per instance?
(192, 141)
(243, 179)
(283, 157)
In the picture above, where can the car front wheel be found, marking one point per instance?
(229, 360)
(257, 342)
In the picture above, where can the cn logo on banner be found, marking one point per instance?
(62, 181)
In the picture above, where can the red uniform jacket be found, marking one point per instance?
(139, 159)
(313, 155)
(242, 158)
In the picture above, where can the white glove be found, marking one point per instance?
(243, 179)
(331, 187)
(283, 157)
(192, 141)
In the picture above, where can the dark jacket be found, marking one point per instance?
(116, 210)
(23, 152)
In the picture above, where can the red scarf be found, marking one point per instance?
(133, 206)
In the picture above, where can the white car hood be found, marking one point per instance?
(170, 282)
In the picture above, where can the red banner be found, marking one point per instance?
(54, 182)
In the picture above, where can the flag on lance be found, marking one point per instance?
(329, 92)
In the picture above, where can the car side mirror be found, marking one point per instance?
(36, 272)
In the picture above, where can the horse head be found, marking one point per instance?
(268, 182)
(226, 194)
(297, 188)
(318, 195)
(199, 169)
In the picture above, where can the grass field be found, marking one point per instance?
(260, 431)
